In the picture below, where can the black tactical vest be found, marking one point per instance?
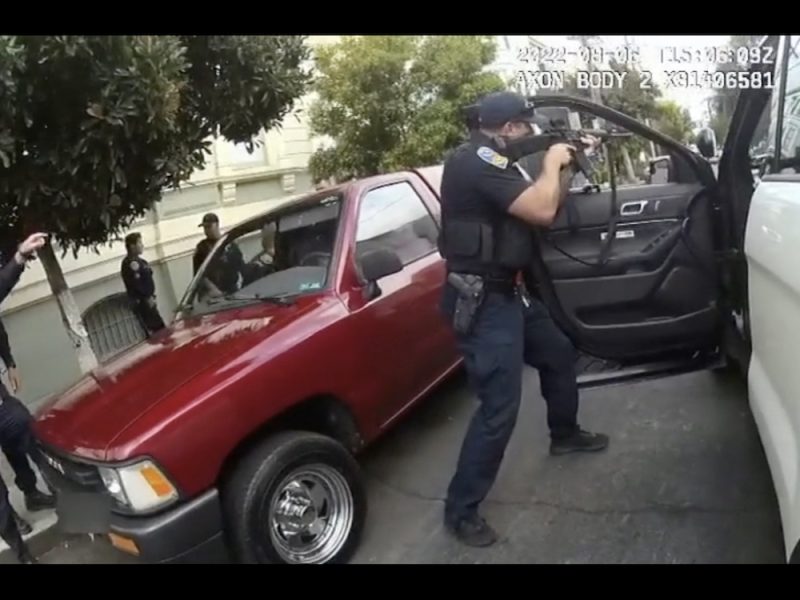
(476, 236)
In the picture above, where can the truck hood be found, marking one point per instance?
(87, 418)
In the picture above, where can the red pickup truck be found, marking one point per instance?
(310, 329)
(306, 333)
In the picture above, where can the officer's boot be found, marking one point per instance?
(14, 540)
(36, 500)
(25, 557)
(22, 525)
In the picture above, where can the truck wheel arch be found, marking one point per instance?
(324, 414)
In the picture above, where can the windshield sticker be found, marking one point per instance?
(310, 285)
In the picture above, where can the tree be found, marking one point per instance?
(674, 121)
(94, 128)
(723, 102)
(392, 102)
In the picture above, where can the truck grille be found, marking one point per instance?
(81, 474)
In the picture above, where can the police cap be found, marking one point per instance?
(209, 218)
(500, 108)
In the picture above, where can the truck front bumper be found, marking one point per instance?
(189, 532)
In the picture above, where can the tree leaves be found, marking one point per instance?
(93, 128)
(392, 102)
(674, 121)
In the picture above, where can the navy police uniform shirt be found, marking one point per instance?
(477, 181)
(201, 251)
(138, 278)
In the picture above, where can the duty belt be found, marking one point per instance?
(501, 286)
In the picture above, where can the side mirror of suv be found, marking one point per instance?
(707, 142)
(376, 264)
(660, 168)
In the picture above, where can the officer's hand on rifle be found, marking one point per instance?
(559, 155)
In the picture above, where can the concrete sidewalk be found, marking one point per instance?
(44, 533)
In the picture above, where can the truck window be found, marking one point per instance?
(395, 218)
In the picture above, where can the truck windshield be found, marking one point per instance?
(277, 256)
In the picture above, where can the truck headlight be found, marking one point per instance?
(141, 486)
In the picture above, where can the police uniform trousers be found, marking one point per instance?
(148, 316)
(18, 443)
(506, 335)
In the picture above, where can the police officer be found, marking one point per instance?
(16, 432)
(222, 276)
(488, 210)
(210, 225)
(138, 279)
(17, 443)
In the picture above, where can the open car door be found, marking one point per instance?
(629, 271)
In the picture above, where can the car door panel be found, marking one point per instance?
(656, 291)
(661, 201)
(413, 346)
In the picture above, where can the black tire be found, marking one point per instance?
(249, 497)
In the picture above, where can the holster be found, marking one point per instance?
(471, 293)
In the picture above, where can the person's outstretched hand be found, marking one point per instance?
(31, 245)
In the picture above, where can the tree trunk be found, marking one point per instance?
(70, 314)
(629, 166)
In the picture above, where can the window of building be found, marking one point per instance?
(394, 217)
(240, 156)
(112, 326)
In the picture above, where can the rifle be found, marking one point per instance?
(554, 131)
(533, 144)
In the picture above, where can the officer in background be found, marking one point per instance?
(138, 279)
(210, 225)
(16, 427)
(222, 276)
(17, 447)
(488, 211)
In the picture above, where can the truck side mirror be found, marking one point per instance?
(376, 264)
(707, 142)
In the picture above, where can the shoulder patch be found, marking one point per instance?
(488, 155)
(134, 265)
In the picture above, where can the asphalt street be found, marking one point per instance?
(684, 481)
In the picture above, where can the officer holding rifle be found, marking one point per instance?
(489, 206)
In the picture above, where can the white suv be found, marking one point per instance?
(700, 266)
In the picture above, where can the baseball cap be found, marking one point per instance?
(209, 218)
(501, 107)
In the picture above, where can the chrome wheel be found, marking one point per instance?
(311, 514)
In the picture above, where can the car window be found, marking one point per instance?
(394, 217)
(762, 143)
(280, 255)
(790, 138)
